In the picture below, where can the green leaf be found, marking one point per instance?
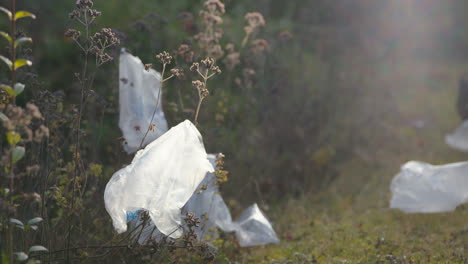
(8, 89)
(35, 220)
(22, 40)
(13, 138)
(17, 223)
(19, 88)
(34, 227)
(7, 61)
(6, 36)
(23, 14)
(4, 258)
(3, 117)
(21, 256)
(22, 62)
(7, 12)
(17, 153)
(37, 248)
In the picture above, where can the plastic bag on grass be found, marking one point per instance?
(252, 228)
(424, 188)
(459, 138)
(138, 96)
(161, 179)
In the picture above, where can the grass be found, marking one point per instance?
(350, 222)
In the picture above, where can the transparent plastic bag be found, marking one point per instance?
(161, 179)
(252, 228)
(459, 138)
(424, 188)
(138, 96)
(208, 205)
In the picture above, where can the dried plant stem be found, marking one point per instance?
(198, 111)
(157, 104)
(200, 96)
(82, 80)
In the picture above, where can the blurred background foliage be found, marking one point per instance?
(315, 99)
(359, 87)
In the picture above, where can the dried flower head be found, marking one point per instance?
(148, 66)
(73, 34)
(209, 37)
(204, 93)
(195, 67)
(178, 72)
(101, 41)
(232, 60)
(84, 7)
(198, 84)
(208, 62)
(259, 46)
(191, 220)
(164, 57)
(216, 69)
(215, 7)
(84, 3)
(255, 19)
(185, 52)
(230, 48)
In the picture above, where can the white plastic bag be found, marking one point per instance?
(208, 205)
(424, 188)
(252, 228)
(138, 96)
(161, 179)
(459, 138)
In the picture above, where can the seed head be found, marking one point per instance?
(164, 57)
(178, 72)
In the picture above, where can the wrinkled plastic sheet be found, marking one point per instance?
(424, 188)
(138, 96)
(459, 138)
(161, 179)
(251, 229)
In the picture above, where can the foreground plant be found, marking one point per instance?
(205, 69)
(22, 127)
(96, 45)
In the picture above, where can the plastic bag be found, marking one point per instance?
(424, 188)
(459, 138)
(161, 179)
(208, 205)
(138, 96)
(252, 228)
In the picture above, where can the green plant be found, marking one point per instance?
(17, 123)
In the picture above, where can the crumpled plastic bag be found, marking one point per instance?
(459, 138)
(138, 96)
(424, 188)
(252, 227)
(161, 179)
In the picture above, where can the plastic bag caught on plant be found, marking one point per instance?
(459, 138)
(161, 179)
(138, 96)
(424, 188)
(252, 228)
(208, 205)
